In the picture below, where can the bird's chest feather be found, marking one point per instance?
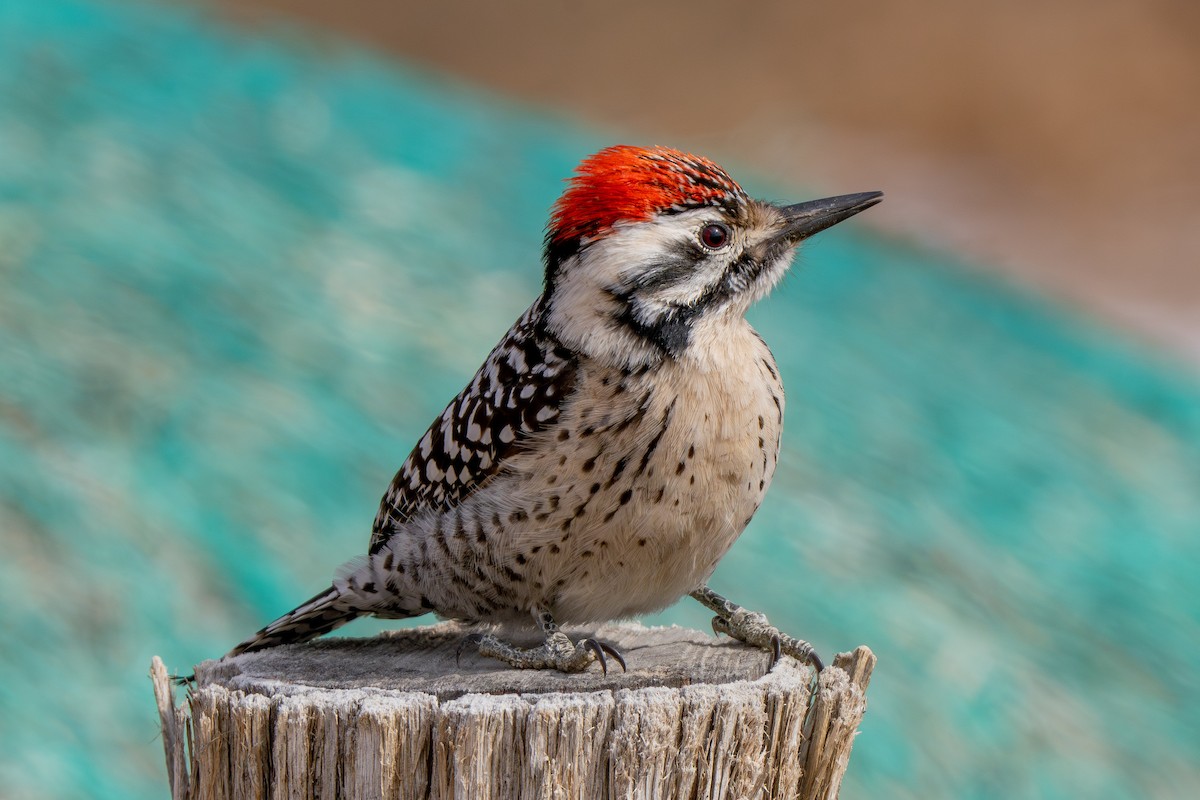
(651, 476)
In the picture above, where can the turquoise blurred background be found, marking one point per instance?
(238, 277)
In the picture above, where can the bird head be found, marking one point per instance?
(649, 245)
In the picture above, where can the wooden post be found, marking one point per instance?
(401, 716)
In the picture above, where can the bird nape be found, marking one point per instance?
(618, 439)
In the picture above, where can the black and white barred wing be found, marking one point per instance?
(517, 392)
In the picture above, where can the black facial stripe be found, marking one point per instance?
(751, 264)
(555, 254)
(671, 331)
(673, 269)
(668, 332)
(747, 265)
(727, 206)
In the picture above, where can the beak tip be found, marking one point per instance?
(865, 199)
(807, 219)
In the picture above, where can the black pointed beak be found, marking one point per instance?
(805, 219)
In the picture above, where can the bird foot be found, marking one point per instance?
(557, 652)
(753, 628)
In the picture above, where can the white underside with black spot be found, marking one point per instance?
(621, 507)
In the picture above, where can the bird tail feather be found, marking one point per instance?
(318, 616)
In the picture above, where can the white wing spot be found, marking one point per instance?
(516, 359)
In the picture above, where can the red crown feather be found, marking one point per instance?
(633, 184)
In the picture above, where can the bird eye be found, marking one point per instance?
(714, 236)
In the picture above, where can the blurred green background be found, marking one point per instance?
(240, 271)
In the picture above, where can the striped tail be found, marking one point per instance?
(318, 616)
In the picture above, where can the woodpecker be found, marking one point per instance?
(618, 439)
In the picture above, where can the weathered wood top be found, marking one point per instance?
(428, 660)
(402, 715)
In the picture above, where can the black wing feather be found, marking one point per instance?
(517, 392)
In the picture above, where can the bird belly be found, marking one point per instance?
(652, 485)
(622, 508)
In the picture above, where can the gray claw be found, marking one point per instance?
(598, 649)
(615, 653)
(470, 639)
(601, 649)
